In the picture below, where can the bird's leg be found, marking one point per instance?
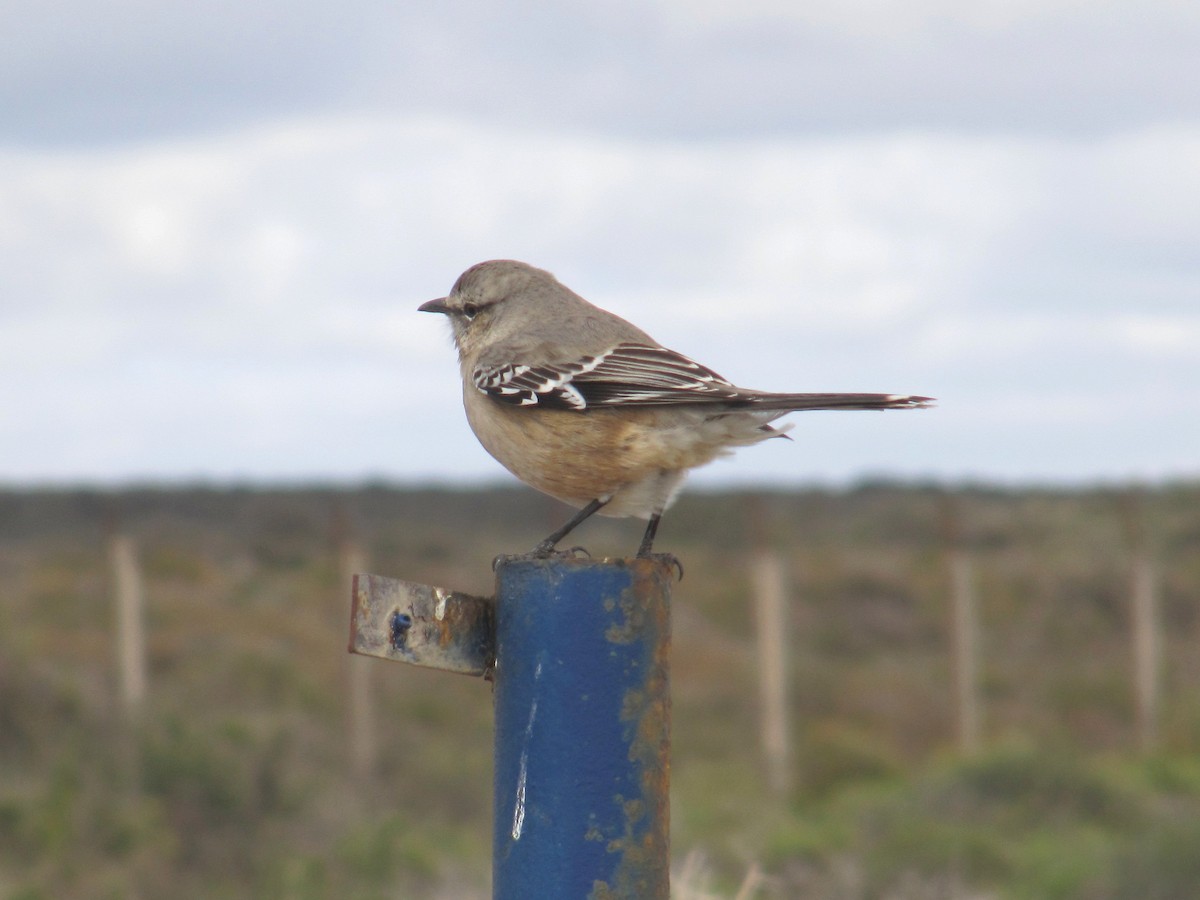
(546, 547)
(648, 537)
(648, 542)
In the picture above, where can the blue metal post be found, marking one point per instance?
(582, 730)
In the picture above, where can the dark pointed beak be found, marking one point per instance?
(437, 306)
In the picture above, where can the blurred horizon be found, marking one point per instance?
(484, 484)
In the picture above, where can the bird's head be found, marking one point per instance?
(486, 301)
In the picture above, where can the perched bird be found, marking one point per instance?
(588, 408)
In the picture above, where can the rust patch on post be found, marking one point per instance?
(646, 710)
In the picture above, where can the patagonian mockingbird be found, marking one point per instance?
(588, 408)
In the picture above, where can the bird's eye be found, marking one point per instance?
(470, 310)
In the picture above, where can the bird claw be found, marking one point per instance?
(541, 551)
(671, 560)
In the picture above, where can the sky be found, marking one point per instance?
(217, 220)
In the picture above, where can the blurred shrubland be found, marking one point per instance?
(234, 777)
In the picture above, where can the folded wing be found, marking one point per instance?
(643, 375)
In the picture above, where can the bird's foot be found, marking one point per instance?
(544, 550)
(670, 559)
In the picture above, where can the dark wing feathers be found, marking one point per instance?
(627, 374)
(548, 385)
(636, 374)
(642, 375)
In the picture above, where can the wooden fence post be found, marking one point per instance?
(130, 629)
(1146, 629)
(360, 700)
(771, 630)
(964, 627)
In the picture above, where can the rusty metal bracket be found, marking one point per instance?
(423, 625)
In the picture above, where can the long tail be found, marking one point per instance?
(839, 401)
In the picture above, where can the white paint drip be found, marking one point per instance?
(519, 810)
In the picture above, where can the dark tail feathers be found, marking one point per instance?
(840, 401)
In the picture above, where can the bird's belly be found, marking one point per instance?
(637, 457)
(577, 457)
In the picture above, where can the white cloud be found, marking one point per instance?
(888, 19)
(1157, 337)
(84, 73)
(245, 304)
